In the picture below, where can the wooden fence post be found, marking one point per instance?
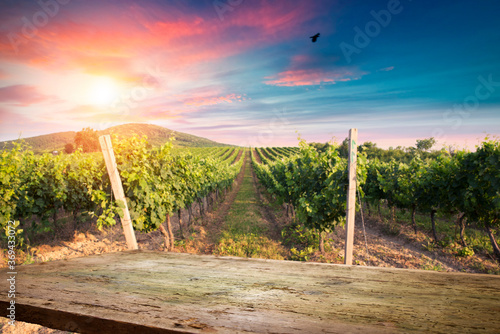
(351, 196)
(116, 185)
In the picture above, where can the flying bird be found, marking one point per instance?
(314, 38)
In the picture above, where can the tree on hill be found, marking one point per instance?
(88, 140)
(68, 148)
(425, 144)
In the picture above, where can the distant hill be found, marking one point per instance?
(44, 143)
(157, 135)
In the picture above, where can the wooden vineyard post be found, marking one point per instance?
(351, 195)
(116, 184)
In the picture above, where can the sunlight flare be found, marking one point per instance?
(103, 91)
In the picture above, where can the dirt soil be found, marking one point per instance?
(256, 156)
(406, 250)
(385, 249)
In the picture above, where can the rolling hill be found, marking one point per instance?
(157, 135)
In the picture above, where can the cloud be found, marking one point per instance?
(164, 46)
(24, 95)
(207, 101)
(116, 38)
(308, 78)
(387, 69)
(310, 70)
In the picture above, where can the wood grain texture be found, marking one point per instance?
(351, 195)
(116, 185)
(156, 292)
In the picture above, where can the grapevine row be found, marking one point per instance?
(314, 183)
(156, 183)
(465, 185)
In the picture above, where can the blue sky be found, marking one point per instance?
(246, 72)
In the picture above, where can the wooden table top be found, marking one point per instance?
(158, 292)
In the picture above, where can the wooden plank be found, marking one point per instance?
(116, 185)
(351, 195)
(158, 292)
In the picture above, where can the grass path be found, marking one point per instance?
(246, 231)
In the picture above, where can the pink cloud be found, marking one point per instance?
(116, 44)
(307, 70)
(308, 78)
(24, 95)
(123, 39)
(206, 101)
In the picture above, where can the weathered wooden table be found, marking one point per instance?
(154, 292)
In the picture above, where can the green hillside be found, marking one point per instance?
(157, 135)
(44, 143)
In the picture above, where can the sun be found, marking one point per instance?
(103, 90)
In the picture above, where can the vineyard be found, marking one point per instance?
(304, 188)
(157, 184)
(314, 185)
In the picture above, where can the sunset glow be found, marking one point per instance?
(102, 91)
(247, 72)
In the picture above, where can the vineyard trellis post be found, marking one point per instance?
(116, 185)
(351, 195)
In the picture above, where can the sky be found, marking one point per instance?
(246, 72)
